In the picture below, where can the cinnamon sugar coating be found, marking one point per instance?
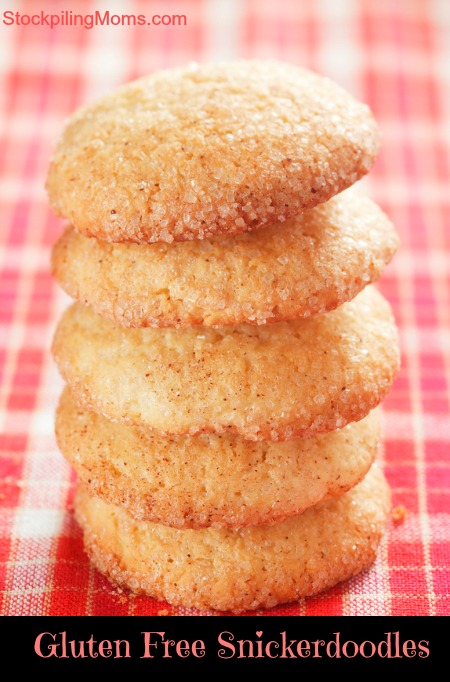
(199, 150)
(217, 480)
(318, 261)
(236, 570)
(286, 380)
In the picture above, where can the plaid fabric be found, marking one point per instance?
(392, 55)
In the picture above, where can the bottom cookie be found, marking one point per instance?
(239, 570)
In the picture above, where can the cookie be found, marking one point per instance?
(216, 480)
(315, 263)
(285, 380)
(208, 149)
(245, 569)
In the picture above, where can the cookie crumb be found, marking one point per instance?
(399, 514)
(163, 612)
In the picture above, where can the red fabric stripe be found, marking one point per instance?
(399, 69)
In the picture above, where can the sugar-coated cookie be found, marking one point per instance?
(238, 570)
(217, 480)
(316, 262)
(285, 380)
(209, 149)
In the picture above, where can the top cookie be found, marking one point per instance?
(208, 149)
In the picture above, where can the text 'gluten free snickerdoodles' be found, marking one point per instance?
(227, 348)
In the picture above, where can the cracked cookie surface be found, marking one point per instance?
(245, 569)
(276, 382)
(208, 149)
(216, 480)
(316, 262)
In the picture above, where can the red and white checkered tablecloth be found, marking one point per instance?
(393, 55)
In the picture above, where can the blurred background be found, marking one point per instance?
(393, 55)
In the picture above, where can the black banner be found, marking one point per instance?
(190, 643)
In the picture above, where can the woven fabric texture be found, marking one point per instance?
(392, 55)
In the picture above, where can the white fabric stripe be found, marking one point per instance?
(400, 425)
(40, 335)
(438, 530)
(35, 523)
(36, 258)
(222, 38)
(369, 588)
(439, 10)
(418, 431)
(342, 50)
(28, 521)
(105, 60)
(339, 56)
(6, 58)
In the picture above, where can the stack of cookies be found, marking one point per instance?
(227, 350)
